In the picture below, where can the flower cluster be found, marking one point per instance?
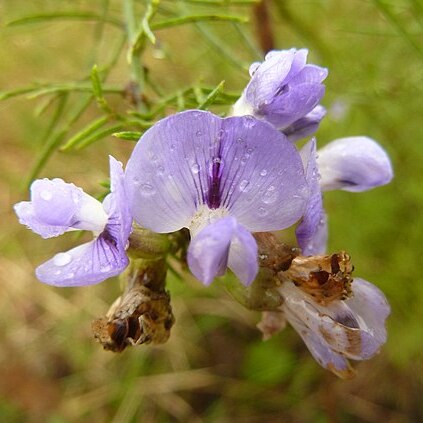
(225, 179)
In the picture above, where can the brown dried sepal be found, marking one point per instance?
(142, 315)
(325, 278)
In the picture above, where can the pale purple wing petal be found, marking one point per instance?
(86, 264)
(371, 305)
(319, 348)
(269, 77)
(262, 178)
(243, 256)
(119, 222)
(167, 174)
(353, 164)
(306, 125)
(52, 209)
(312, 231)
(208, 251)
(294, 103)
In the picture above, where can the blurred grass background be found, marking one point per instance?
(215, 368)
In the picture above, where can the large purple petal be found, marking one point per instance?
(86, 264)
(195, 158)
(353, 164)
(312, 231)
(208, 251)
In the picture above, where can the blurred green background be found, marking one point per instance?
(214, 368)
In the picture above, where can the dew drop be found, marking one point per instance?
(147, 189)
(271, 195)
(198, 133)
(262, 211)
(195, 168)
(172, 147)
(217, 160)
(46, 195)
(62, 259)
(263, 172)
(250, 150)
(239, 140)
(160, 170)
(244, 185)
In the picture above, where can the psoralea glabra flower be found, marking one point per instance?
(220, 178)
(285, 91)
(352, 164)
(57, 207)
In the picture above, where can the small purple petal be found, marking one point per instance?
(318, 347)
(282, 90)
(293, 104)
(354, 328)
(208, 251)
(52, 209)
(221, 244)
(86, 264)
(353, 164)
(306, 125)
(243, 255)
(312, 231)
(195, 158)
(119, 222)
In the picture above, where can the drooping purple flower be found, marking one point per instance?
(221, 179)
(57, 207)
(285, 91)
(351, 329)
(352, 164)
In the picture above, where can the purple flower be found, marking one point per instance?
(285, 91)
(57, 207)
(221, 179)
(352, 164)
(351, 329)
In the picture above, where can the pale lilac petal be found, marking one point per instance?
(353, 164)
(269, 77)
(319, 348)
(354, 328)
(208, 251)
(294, 103)
(306, 125)
(86, 264)
(243, 255)
(282, 90)
(312, 231)
(52, 209)
(195, 158)
(371, 305)
(119, 222)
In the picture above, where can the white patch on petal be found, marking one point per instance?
(91, 216)
(242, 108)
(205, 216)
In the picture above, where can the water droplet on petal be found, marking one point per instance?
(160, 170)
(244, 185)
(46, 195)
(195, 168)
(271, 195)
(198, 133)
(62, 259)
(263, 172)
(262, 211)
(147, 189)
(172, 147)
